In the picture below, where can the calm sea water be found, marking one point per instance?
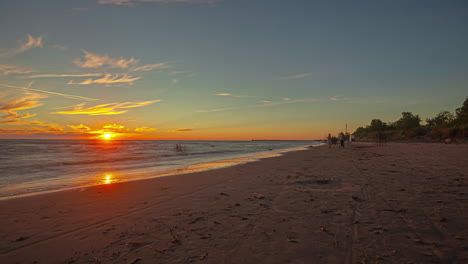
(35, 166)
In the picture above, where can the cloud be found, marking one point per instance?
(150, 67)
(296, 76)
(265, 102)
(287, 99)
(109, 79)
(52, 75)
(113, 128)
(94, 60)
(132, 2)
(181, 130)
(10, 69)
(335, 98)
(27, 102)
(80, 127)
(175, 81)
(232, 95)
(51, 127)
(104, 109)
(76, 97)
(15, 118)
(145, 129)
(30, 43)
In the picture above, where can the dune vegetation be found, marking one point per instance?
(445, 126)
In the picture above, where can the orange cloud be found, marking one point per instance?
(94, 60)
(113, 127)
(150, 67)
(104, 109)
(69, 96)
(145, 129)
(14, 117)
(27, 102)
(63, 75)
(237, 96)
(80, 127)
(30, 43)
(10, 69)
(109, 79)
(182, 130)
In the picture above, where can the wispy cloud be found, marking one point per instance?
(94, 60)
(150, 67)
(49, 128)
(145, 129)
(132, 2)
(232, 95)
(335, 98)
(63, 75)
(10, 69)
(80, 127)
(76, 97)
(30, 43)
(296, 76)
(104, 109)
(15, 118)
(109, 79)
(263, 104)
(181, 130)
(29, 101)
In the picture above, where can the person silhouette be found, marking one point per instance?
(342, 138)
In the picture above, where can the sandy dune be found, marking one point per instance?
(399, 203)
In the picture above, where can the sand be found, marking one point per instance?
(396, 203)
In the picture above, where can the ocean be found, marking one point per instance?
(29, 167)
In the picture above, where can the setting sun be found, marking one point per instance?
(107, 136)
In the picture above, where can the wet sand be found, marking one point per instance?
(398, 203)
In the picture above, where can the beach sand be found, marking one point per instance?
(397, 203)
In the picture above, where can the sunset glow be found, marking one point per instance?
(278, 71)
(107, 136)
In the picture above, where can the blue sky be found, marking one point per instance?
(226, 69)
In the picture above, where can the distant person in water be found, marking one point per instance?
(342, 138)
(329, 141)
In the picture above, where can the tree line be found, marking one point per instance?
(444, 125)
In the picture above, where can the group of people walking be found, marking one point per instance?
(341, 138)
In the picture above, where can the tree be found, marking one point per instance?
(442, 119)
(408, 121)
(377, 125)
(462, 113)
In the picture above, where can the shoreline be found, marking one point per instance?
(364, 203)
(188, 169)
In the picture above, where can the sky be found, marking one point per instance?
(226, 69)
